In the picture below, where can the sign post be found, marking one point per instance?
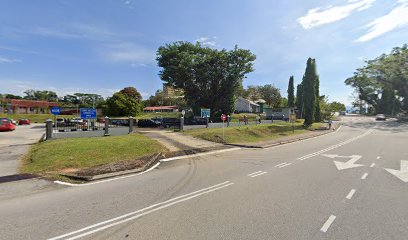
(56, 111)
(223, 118)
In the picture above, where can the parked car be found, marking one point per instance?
(77, 120)
(148, 123)
(6, 125)
(195, 121)
(24, 121)
(380, 117)
(12, 121)
(168, 122)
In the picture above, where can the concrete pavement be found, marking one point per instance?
(293, 191)
(15, 144)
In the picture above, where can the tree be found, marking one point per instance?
(209, 77)
(291, 93)
(299, 99)
(44, 95)
(124, 103)
(309, 92)
(317, 115)
(11, 96)
(383, 81)
(271, 95)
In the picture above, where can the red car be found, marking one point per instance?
(6, 125)
(24, 121)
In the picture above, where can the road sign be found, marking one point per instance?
(88, 113)
(205, 112)
(223, 117)
(56, 110)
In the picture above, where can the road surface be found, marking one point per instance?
(351, 184)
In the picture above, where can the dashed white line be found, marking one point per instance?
(254, 173)
(259, 174)
(364, 176)
(378, 157)
(351, 193)
(285, 165)
(280, 164)
(328, 223)
(372, 165)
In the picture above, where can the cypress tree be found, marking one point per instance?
(317, 115)
(309, 93)
(299, 99)
(291, 93)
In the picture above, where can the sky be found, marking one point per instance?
(102, 46)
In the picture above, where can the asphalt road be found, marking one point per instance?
(16, 143)
(345, 185)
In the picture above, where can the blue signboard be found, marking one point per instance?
(88, 113)
(56, 111)
(205, 112)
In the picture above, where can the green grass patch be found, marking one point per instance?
(159, 115)
(50, 157)
(34, 118)
(253, 133)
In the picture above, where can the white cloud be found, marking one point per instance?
(75, 31)
(8, 60)
(126, 52)
(207, 41)
(318, 16)
(397, 18)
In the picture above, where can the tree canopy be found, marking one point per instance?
(209, 77)
(309, 92)
(291, 92)
(383, 82)
(124, 103)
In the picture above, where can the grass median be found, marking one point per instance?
(51, 157)
(252, 133)
(34, 118)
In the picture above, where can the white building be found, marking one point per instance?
(243, 105)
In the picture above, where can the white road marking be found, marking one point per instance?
(259, 174)
(280, 164)
(148, 170)
(198, 154)
(335, 146)
(253, 173)
(285, 165)
(372, 165)
(364, 176)
(327, 224)
(345, 165)
(402, 174)
(378, 157)
(351, 193)
(153, 208)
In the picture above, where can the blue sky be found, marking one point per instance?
(101, 46)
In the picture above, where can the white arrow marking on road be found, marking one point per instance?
(345, 165)
(402, 174)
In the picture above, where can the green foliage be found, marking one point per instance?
(209, 77)
(383, 81)
(124, 103)
(299, 99)
(328, 109)
(32, 94)
(268, 92)
(159, 99)
(317, 114)
(309, 92)
(291, 92)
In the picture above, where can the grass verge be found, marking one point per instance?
(35, 118)
(253, 133)
(51, 157)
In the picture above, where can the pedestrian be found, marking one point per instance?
(330, 123)
(259, 119)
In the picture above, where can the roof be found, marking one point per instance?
(154, 108)
(249, 101)
(31, 103)
(260, 101)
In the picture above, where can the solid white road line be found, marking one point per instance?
(259, 174)
(253, 173)
(378, 157)
(364, 176)
(198, 154)
(372, 165)
(327, 224)
(351, 193)
(285, 165)
(131, 216)
(335, 146)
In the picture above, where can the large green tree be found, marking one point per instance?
(383, 82)
(317, 114)
(126, 102)
(209, 77)
(44, 95)
(291, 92)
(309, 92)
(299, 99)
